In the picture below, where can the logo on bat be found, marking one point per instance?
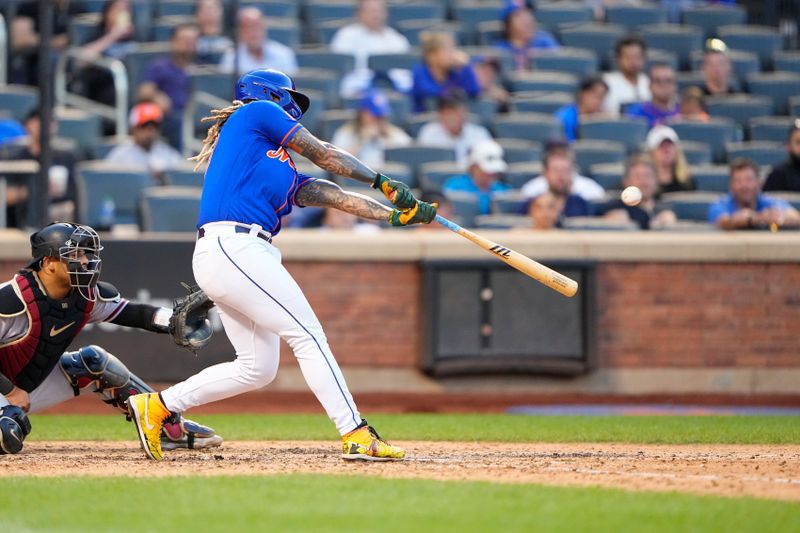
(500, 250)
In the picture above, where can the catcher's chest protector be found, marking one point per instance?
(52, 325)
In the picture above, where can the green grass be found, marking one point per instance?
(355, 504)
(491, 427)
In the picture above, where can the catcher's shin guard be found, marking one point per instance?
(115, 384)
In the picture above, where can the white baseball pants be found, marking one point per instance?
(259, 304)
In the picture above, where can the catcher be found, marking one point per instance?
(46, 305)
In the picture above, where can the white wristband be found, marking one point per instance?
(162, 316)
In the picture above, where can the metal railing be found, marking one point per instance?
(3, 50)
(191, 144)
(117, 113)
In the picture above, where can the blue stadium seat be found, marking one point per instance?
(324, 81)
(591, 152)
(598, 224)
(489, 32)
(774, 129)
(541, 80)
(470, 14)
(82, 127)
(433, 175)
(465, 207)
(387, 62)
(528, 126)
(285, 31)
(412, 29)
(788, 61)
(716, 132)
(764, 41)
(167, 8)
(711, 17)
(553, 15)
(332, 119)
(631, 17)
(137, 62)
(18, 100)
(682, 40)
(170, 209)
(712, 178)
(210, 80)
(324, 31)
(739, 107)
(696, 153)
(415, 11)
(578, 61)
(631, 132)
(519, 174)
(502, 221)
(764, 153)
(779, 86)
(541, 101)
(400, 104)
(415, 122)
(82, 28)
(317, 11)
(184, 177)
(794, 106)
(415, 156)
(520, 151)
(163, 26)
(322, 57)
(509, 203)
(483, 109)
(690, 205)
(599, 38)
(274, 8)
(689, 79)
(608, 175)
(97, 180)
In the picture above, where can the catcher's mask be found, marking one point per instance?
(77, 246)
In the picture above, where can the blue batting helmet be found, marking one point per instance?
(273, 86)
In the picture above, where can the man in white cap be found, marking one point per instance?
(486, 166)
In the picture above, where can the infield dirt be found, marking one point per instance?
(765, 471)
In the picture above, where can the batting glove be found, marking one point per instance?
(396, 191)
(421, 213)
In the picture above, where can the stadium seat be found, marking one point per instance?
(166, 8)
(716, 132)
(739, 107)
(136, 63)
(779, 86)
(680, 39)
(520, 151)
(82, 28)
(608, 175)
(332, 119)
(764, 153)
(629, 131)
(211, 80)
(399, 12)
(84, 128)
(509, 203)
(433, 175)
(542, 80)
(96, 181)
(519, 174)
(324, 31)
(788, 61)
(488, 32)
(711, 17)
(591, 152)
(387, 62)
(465, 207)
(322, 80)
(689, 79)
(415, 122)
(528, 126)
(598, 224)
(415, 156)
(317, 11)
(412, 29)
(552, 15)
(170, 209)
(18, 100)
(743, 62)
(274, 8)
(696, 153)
(577, 61)
(185, 176)
(285, 31)
(163, 26)
(93, 6)
(631, 17)
(541, 101)
(774, 129)
(502, 221)
(483, 109)
(794, 106)
(400, 104)
(600, 38)
(322, 57)
(471, 13)
(692, 205)
(764, 41)
(712, 178)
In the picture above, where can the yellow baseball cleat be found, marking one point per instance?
(365, 444)
(149, 414)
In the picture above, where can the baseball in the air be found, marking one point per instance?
(631, 196)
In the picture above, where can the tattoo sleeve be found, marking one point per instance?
(323, 193)
(329, 157)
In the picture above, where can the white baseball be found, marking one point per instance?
(631, 196)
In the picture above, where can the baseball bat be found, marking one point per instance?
(547, 276)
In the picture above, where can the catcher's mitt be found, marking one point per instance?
(189, 324)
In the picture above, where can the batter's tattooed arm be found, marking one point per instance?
(322, 193)
(329, 157)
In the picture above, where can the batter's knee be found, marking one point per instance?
(14, 427)
(258, 376)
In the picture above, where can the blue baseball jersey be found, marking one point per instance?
(251, 177)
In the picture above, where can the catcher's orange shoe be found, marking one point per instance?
(149, 414)
(365, 444)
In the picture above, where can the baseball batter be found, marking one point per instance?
(42, 310)
(251, 183)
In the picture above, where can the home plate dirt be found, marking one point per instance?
(727, 470)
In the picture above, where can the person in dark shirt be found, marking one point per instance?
(717, 69)
(786, 176)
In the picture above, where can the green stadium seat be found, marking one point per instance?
(711, 17)
(170, 209)
(528, 126)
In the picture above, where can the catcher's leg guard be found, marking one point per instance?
(14, 427)
(115, 383)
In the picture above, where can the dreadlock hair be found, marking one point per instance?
(219, 117)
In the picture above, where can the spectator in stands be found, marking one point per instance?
(486, 166)
(588, 102)
(444, 69)
(371, 133)
(520, 36)
(692, 106)
(367, 36)
(452, 129)
(444, 209)
(745, 207)
(146, 149)
(562, 154)
(546, 211)
(558, 175)
(166, 81)
(255, 49)
(61, 182)
(663, 104)
(786, 176)
(114, 38)
(335, 219)
(212, 43)
(10, 130)
(629, 84)
(640, 172)
(487, 69)
(717, 69)
(671, 167)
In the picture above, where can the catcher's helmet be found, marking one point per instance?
(69, 243)
(272, 85)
